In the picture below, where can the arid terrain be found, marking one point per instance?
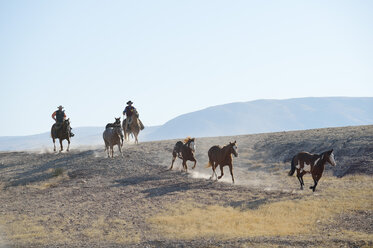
(84, 199)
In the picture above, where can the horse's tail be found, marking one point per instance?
(292, 168)
(209, 164)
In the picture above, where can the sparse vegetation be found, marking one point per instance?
(58, 172)
(188, 220)
(79, 199)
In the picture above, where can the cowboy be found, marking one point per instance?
(129, 111)
(59, 116)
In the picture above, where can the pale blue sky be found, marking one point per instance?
(173, 57)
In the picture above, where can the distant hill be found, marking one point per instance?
(263, 116)
(84, 136)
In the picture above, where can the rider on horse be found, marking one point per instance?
(59, 116)
(129, 111)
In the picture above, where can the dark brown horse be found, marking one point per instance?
(222, 156)
(184, 151)
(62, 132)
(316, 165)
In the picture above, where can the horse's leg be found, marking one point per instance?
(314, 186)
(231, 170)
(299, 179)
(221, 172)
(136, 140)
(112, 151)
(213, 170)
(195, 162)
(107, 150)
(316, 179)
(54, 144)
(120, 149)
(68, 144)
(215, 166)
(173, 160)
(61, 145)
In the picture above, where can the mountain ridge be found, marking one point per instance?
(237, 118)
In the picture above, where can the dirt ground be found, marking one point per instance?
(84, 199)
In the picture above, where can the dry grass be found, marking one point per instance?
(303, 216)
(42, 230)
(112, 230)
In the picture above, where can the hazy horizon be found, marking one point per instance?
(171, 57)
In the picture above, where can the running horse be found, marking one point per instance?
(132, 125)
(222, 157)
(184, 151)
(63, 132)
(113, 136)
(316, 165)
(116, 123)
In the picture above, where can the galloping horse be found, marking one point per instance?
(184, 151)
(116, 123)
(316, 163)
(63, 132)
(222, 157)
(112, 137)
(132, 126)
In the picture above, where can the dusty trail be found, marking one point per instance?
(83, 199)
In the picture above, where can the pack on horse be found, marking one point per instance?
(114, 124)
(61, 131)
(316, 163)
(184, 151)
(113, 136)
(132, 125)
(223, 157)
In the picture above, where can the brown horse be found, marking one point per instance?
(184, 151)
(316, 163)
(62, 132)
(132, 125)
(222, 157)
(116, 123)
(112, 137)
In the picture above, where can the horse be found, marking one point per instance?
(222, 156)
(132, 126)
(112, 137)
(114, 124)
(316, 163)
(184, 151)
(63, 132)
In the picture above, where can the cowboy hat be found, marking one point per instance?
(60, 106)
(130, 102)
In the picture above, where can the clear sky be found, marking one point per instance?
(173, 57)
